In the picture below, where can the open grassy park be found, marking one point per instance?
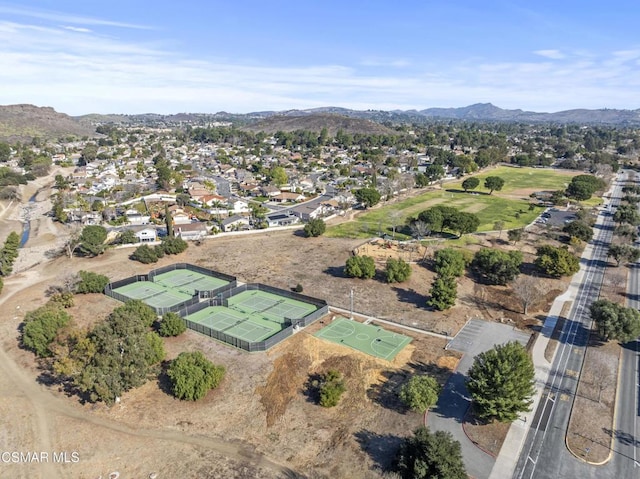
(510, 205)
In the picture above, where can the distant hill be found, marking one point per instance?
(24, 122)
(312, 121)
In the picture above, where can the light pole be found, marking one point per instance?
(351, 309)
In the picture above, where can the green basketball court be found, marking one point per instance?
(367, 338)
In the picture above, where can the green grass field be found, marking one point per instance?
(500, 206)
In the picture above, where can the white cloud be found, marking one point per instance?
(77, 29)
(553, 54)
(80, 72)
(59, 17)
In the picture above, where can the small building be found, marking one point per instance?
(281, 219)
(145, 234)
(235, 223)
(191, 232)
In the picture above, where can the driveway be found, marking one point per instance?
(476, 337)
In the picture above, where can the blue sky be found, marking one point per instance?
(138, 56)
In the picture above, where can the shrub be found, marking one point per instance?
(360, 267)
(192, 375)
(331, 388)
(91, 282)
(171, 325)
(145, 254)
(298, 288)
(315, 227)
(420, 393)
(65, 299)
(41, 326)
(397, 270)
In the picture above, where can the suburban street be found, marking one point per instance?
(544, 454)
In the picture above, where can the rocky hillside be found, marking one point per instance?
(316, 122)
(24, 122)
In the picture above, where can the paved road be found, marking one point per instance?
(544, 453)
(476, 337)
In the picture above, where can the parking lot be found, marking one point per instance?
(555, 217)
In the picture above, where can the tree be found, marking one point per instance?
(360, 267)
(127, 237)
(515, 235)
(464, 222)
(449, 262)
(470, 183)
(623, 253)
(278, 176)
(496, 266)
(144, 254)
(41, 327)
(615, 322)
(529, 290)
(493, 183)
(193, 375)
(420, 393)
(367, 196)
(171, 325)
(315, 227)
(499, 226)
(168, 220)
(582, 187)
(579, 229)
(428, 455)
(92, 240)
(627, 231)
(556, 261)
(443, 293)
(419, 229)
(91, 282)
(138, 309)
(331, 388)
(397, 270)
(5, 152)
(501, 382)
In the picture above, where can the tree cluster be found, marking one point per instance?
(579, 229)
(151, 254)
(9, 254)
(615, 322)
(623, 253)
(582, 187)
(90, 282)
(449, 263)
(367, 196)
(439, 218)
(41, 326)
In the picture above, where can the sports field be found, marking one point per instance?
(252, 315)
(187, 281)
(366, 338)
(506, 205)
(154, 294)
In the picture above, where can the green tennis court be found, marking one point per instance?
(188, 281)
(247, 327)
(366, 338)
(155, 295)
(273, 304)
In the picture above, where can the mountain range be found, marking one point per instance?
(22, 122)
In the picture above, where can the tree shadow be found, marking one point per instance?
(311, 389)
(411, 296)
(454, 399)
(623, 437)
(335, 271)
(164, 381)
(381, 448)
(385, 393)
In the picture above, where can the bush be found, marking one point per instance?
(360, 267)
(192, 375)
(173, 245)
(298, 288)
(138, 309)
(65, 300)
(331, 388)
(145, 254)
(171, 325)
(397, 270)
(420, 393)
(579, 229)
(315, 227)
(91, 282)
